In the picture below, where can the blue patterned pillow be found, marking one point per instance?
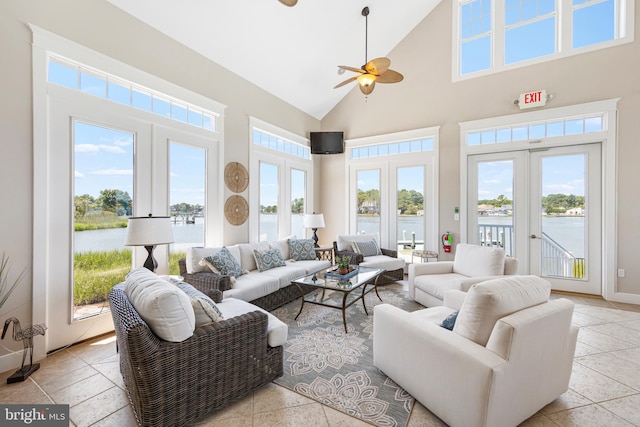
(302, 249)
(268, 259)
(225, 263)
(450, 321)
(368, 248)
(205, 310)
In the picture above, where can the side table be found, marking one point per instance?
(325, 253)
(424, 255)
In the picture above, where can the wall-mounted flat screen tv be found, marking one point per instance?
(327, 142)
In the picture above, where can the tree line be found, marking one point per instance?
(553, 203)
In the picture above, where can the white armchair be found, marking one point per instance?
(428, 282)
(509, 354)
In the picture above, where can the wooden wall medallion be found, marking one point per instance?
(236, 177)
(236, 209)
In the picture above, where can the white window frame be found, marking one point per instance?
(46, 43)
(285, 163)
(388, 184)
(624, 28)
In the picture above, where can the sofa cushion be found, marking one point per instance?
(204, 309)
(310, 266)
(438, 284)
(302, 249)
(286, 274)
(344, 242)
(247, 258)
(474, 260)
(368, 248)
(268, 259)
(383, 261)
(489, 301)
(277, 330)
(166, 309)
(283, 245)
(225, 263)
(253, 285)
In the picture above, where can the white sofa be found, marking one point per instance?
(267, 289)
(384, 258)
(428, 282)
(509, 354)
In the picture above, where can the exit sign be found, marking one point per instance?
(537, 98)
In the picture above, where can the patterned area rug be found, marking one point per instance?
(336, 369)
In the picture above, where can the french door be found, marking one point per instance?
(544, 207)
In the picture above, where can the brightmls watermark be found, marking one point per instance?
(34, 415)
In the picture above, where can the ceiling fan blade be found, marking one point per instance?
(355, 70)
(367, 89)
(378, 66)
(349, 80)
(289, 3)
(390, 76)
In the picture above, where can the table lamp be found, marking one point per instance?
(314, 221)
(149, 231)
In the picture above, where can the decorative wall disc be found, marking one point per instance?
(236, 209)
(236, 177)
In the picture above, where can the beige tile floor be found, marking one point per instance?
(604, 388)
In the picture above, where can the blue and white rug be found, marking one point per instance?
(335, 368)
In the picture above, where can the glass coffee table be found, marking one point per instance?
(348, 291)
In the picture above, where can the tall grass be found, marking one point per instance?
(95, 273)
(99, 222)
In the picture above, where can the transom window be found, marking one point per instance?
(537, 130)
(73, 75)
(501, 34)
(392, 148)
(278, 143)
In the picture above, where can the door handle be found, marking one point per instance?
(533, 236)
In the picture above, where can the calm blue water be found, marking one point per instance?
(567, 231)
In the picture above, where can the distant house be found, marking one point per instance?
(575, 211)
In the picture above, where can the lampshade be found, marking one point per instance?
(149, 231)
(313, 220)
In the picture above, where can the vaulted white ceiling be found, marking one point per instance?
(291, 52)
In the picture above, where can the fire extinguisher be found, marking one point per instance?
(447, 241)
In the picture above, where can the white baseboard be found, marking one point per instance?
(11, 361)
(626, 298)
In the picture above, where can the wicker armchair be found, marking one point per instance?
(176, 383)
(204, 281)
(391, 275)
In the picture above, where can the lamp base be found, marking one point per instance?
(315, 238)
(151, 263)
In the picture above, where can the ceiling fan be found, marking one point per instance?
(289, 3)
(376, 70)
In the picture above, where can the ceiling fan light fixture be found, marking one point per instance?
(366, 80)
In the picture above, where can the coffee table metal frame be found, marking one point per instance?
(365, 277)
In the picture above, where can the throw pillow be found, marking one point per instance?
(225, 263)
(205, 310)
(266, 260)
(368, 248)
(302, 249)
(450, 321)
(204, 262)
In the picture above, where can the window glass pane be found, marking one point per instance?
(187, 180)
(503, 135)
(383, 149)
(268, 226)
(141, 100)
(298, 186)
(488, 137)
(475, 55)
(63, 74)
(161, 106)
(393, 148)
(594, 24)
(368, 190)
(103, 195)
(373, 151)
(195, 117)
(574, 126)
(404, 147)
(593, 124)
(520, 133)
(530, 41)
(546, 6)
(208, 122)
(537, 131)
(555, 128)
(427, 144)
(178, 112)
(355, 153)
(118, 93)
(93, 84)
(416, 146)
(512, 12)
(495, 204)
(473, 138)
(410, 218)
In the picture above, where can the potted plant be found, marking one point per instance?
(343, 263)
